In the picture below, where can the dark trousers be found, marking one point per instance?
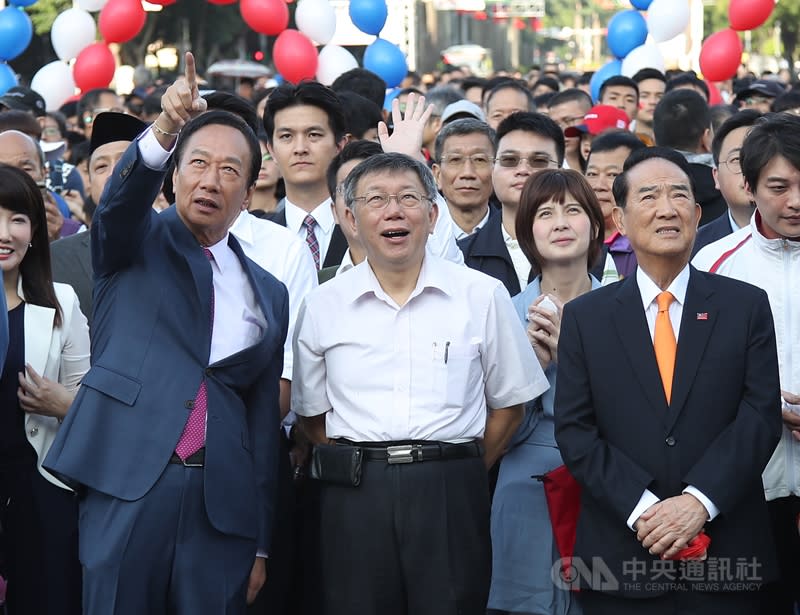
(411, 539)
(674, 603)
(39, 545)
(781, 596)
(160, 554)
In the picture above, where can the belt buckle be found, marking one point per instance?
(401, 453)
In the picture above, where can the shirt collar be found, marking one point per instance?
(460, 233)
(431, 275)
(650, 290)
(223, 255)
(346, 264)
(242, 227)
(322, 214)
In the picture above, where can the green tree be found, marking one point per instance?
(786, 15)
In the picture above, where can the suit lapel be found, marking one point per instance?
(634, 338)
(697, 322)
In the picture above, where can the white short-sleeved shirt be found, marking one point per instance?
(426, 370)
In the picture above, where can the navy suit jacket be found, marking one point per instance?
(618, 436)
(150, 350)
(486, 251)
(711, 232)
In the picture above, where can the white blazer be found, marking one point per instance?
(60, 354)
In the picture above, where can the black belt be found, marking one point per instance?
(195, 460)
(409, 452)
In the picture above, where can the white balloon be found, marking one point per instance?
(55, 84)
(72, 31)
(666, 19)
(316, 19)
(644, 56)
(333, 61)
(91, 5)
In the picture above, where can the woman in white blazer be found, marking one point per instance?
(48, 354)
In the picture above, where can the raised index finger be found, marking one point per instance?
(191, 72)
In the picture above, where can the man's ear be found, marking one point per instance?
(715, 175)
(343, 141)
(706, 139)
(350, 221)
(618, 215)
(437, 171)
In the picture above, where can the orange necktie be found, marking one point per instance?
(664, 342)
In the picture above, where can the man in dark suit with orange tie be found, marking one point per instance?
(667, 411)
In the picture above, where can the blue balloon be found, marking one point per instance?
(386, 60)
(642, 5)
(626, 31)
(389, 97)
(8, 79)
(609, 69)
(369, 16)
(16, 32)
(22, 2)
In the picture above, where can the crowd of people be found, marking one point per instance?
(288, 351)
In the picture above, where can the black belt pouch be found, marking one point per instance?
(337, 464)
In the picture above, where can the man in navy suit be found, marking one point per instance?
(726, 149)
(173, 436)
(682, 449)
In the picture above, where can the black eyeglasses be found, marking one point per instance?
(535, 161)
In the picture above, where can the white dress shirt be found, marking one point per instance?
(280, 252)
(459, 233)
(522, 266)
(649, 291)
(442, 241)
(426, 370)
(323, 230)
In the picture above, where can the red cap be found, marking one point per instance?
(599, 119)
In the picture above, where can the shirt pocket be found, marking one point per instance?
(458, 374)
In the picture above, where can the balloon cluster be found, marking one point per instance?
(721, 53)
(628, 33)
(16, 31)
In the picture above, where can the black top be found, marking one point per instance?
(15, 450)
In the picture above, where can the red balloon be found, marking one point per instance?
(480, 15)
(295, 56)
(94, 67)
(721, 55)
(265, 16)
(121, 20)
(714, 95)
(162, 2)
(749, 14)
(222, 1)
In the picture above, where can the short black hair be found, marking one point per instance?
(621, 187)
(720, 113)
(548, 82)
(570, 95)
(511, 84)
(543, 100)
(745, 117)
(441, 96)
(360, 114)
(362, 82)
(619, 80)
(228, 101)
(689, 79)
(465, 126)
(649, 73)
(537, 123)
(310, 93)
(773, 134)
(355, 150)
(467, 83)
(223, 118)
(492, 83)
(610, 140)
(88, 101)
(785, 102)
(680, 119)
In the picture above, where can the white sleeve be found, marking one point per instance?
(300, 279)
(512, 371)
(75, 348)
(153, 155)
(710, 507)
(646, 501)
(309, 375)
(442, 242)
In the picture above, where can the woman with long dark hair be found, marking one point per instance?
(560, 229)
(48, 354)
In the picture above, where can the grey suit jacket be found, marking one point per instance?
(71, 259)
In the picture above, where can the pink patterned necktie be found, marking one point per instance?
(311, 238)
(193, 437)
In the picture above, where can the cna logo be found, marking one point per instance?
(567, 572)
